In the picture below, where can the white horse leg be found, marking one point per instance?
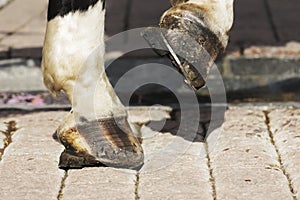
(96, 130)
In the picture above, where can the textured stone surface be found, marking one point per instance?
(29, 169)
(25, 71)
(19, 13)
(174, 168)
(100, 183)
(143, 115)
(28, 40)
(284, 125)
(244, 161)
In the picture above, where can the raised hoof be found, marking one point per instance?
(184, 36)
(109, 142)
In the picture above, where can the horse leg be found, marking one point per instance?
(96, 131)
(197, 31)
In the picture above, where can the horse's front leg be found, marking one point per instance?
(96, 131)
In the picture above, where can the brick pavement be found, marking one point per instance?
(253, 155)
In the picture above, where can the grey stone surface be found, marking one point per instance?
(284, 125)
(18, 13)
(20, 75)
(143, 115)
(242, 157)
(174, 168)
(100, 183)
(29, 168)
(244, 161)
(265, 66)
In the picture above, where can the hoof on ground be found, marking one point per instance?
(104, 142)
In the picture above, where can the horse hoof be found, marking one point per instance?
(186, 38)
(104, 142)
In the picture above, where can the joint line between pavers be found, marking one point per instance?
(137, 183)
(282, 167)
(62, 186)
(211, 175)
(11, 128)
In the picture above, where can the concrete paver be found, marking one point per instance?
(26, 71)
(284, 125)
(23, 12)
(109, 183)
(244, 161)
(174, 168)
(29, 169)
(30, 37)
(100, 183)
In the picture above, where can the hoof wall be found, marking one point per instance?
(71, 161)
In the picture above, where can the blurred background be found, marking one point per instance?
(261, 63)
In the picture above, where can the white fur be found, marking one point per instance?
(219, 16)
(71, 59)
(221, 11)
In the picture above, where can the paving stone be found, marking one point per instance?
(18, 13)
(29, 177)
(27, 73)
(174, 168)
(28, 40)
(242, 156)
(284, 125)
(29, 168)
(143, 115)
(100, 183)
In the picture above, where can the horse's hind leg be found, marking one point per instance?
(197, 31)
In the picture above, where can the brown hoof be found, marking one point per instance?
(184, 36)
(108, 142)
